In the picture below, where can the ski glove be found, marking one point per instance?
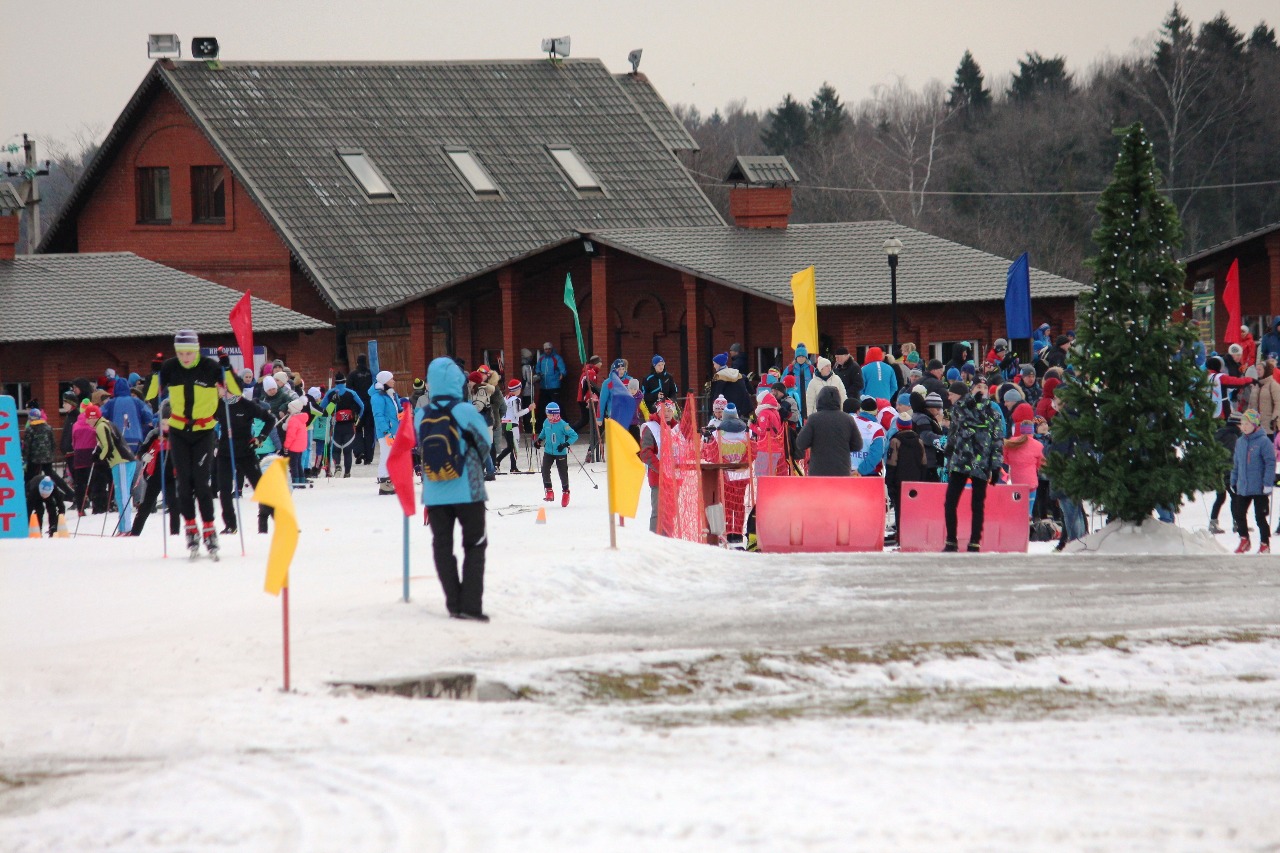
(224, 360)
(157, 362)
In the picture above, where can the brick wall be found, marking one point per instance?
(244, 253)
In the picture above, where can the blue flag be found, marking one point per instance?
(622, 406)
(1017, 299)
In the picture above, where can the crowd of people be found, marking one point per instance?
(195, 430)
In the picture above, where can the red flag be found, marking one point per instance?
(1231, 302)
(400, 461)
(242, 326)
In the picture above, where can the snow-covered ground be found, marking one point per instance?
(673, 696)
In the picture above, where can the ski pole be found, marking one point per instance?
(235, 480)
(583, 467)
(164, 492)
(88, 486)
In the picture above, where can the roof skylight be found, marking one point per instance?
(363, 170)
(582, 178)
(472, 171)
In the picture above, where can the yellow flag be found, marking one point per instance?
(626, 471)
(804, 299)
(273, 491)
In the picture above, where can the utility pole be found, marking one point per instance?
(29, 189)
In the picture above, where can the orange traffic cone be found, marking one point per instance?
(62, 533)
(33, 529)
(542, 515)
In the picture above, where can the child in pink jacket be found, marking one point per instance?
(295, 439)
(1023, 453)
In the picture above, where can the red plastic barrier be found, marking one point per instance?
(814, 514)
(1005, 527)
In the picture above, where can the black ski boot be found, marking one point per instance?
(193, 541)
(211, 541)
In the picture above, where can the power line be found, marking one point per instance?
(997, 193)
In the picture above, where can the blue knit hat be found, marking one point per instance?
(553, 408)
(617, 362)
(802, 351)
(658, 359)
(46, 487)
(721, 359)
(730, 410)
(904, 399)
(953, 374)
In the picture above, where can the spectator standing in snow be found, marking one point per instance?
(460, 499)
(1227, 435)
(1253, 475)
(801, 372)
(869, 460)
(975, 451)
(824, 378)
(846, 367)
(657, 384)
(385, 403)
(551, 372)
(830, 436)
(360, 381)
(879, 380)
(733, 385)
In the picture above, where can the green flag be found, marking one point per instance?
(577, 324)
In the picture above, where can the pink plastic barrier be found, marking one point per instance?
(1005, 527)
(820, 514)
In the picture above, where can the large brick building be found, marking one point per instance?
(438, 207)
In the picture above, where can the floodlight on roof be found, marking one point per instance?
(556, 48)
(164, 46)
(204, 47)
(634, 58)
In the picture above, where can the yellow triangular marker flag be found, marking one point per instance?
(804, 299)
(273, 491)
(626, 471)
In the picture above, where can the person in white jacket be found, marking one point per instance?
(511, 424)
(823, 378)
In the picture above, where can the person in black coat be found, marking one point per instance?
(658, 384)
(239, 451)
(830, 436)
(846, 367)
(733, 385)
(904, 463)
(360, 381)
(46, 496)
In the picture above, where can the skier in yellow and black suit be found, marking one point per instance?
(193, 383)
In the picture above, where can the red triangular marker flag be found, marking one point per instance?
(242, 325)
(400, 461)
(1231, 302)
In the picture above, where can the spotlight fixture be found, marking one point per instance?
(204, 47)
(556, 48)
(164, 46)
(634, 58)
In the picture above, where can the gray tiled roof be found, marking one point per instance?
(278, 126)
(849, 260)
(120, 295)
(762, 169)
(655, 109)
(1231, 243)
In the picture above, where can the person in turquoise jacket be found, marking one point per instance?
(554, 439)
(459, 500)
(386, 406)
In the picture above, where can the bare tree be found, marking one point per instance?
(905, 147)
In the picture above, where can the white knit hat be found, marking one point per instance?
(384, 376)
(269, 384)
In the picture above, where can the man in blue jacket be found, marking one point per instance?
(460, 499)
(551, 373)
(1269, 346)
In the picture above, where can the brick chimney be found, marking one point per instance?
(760, 195)
(8, 235)
(10, 205)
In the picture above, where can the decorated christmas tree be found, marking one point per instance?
(1137, 413)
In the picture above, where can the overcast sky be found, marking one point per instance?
(74, 63)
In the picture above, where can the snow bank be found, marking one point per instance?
(1151, 537)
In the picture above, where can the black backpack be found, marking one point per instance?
(443, 442)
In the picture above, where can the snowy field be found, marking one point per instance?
(671, 696)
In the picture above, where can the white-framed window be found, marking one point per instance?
(575, 169)
(473, 172)
(366, 173)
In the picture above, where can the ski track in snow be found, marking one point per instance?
(141, 708)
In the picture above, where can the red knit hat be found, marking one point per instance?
(475, 376)
(1023, 412)
(92, 411)
(514, 385)
(789, 381)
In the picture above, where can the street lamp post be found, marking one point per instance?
(892, 247)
